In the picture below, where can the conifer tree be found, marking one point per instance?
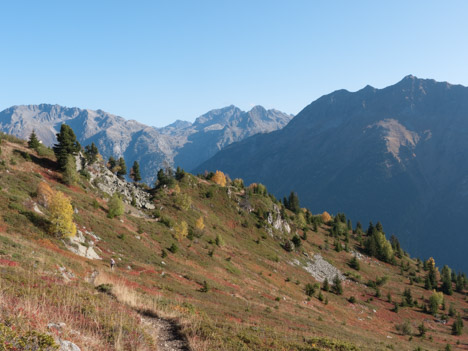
(446, 281)
(354, 263)
(337, 286)
(69, 175)
(66, 145)
(325, 285)
(33, 142)
(459, 285)
(180, 173)
(431, 273)
(358, 226)
(91, 153)
(112, 164)
(379, 227)
(122, 168)
(457, 326)
(135, 172)
(293, 202)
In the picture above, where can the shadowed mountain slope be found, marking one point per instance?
(397, 154)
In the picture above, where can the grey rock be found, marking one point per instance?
(65, 345)
(320, 269)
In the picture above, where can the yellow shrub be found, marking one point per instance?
(61, 216)
(326, 217)
(181, 230)
(219, 178)
(200, 224)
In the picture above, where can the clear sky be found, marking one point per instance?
(157, 61)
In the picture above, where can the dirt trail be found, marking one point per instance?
(166, 332)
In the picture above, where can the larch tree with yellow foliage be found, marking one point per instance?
(326, 217)
(200, 224)
(181, 230)
(61, 216)
(219, 178)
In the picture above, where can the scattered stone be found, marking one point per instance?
(37, 209)
(67, 275)
(65, 345)
(79, 246)
(321, 269)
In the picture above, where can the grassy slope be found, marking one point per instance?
(256, 298)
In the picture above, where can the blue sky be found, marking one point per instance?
(157, 61)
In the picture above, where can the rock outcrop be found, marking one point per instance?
(109, 183)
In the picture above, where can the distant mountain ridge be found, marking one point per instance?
(398, 155)
(182, 143)
(218, 128)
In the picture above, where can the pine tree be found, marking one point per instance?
(431, 273)
(337, 287)
(122, 168)
(69, 175)
(358, 226)
(459, 285)
(379, 227)
(293, 202)
(446, 281)
(112, 164)
(354, 263)
(165, 178)
(408, 298)
(457, 326)
(33, 142)
(66, 145)
(61, 216)
(135, 172)
(325, 285)
(180, 173)
(91, 153)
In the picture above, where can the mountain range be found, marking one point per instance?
(182, 143)
(396, 155)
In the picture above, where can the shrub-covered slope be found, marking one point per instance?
(231, 267)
